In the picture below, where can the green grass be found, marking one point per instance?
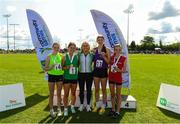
(147, 73)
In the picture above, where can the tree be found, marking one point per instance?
(133, 45)
(148, 39)
(160, 44)
(148, 43)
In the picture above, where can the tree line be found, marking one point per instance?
(147, 45)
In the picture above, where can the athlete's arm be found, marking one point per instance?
(124, 66)
(106, 56)
(47, 68)
(63, 61)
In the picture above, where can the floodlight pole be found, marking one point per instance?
(128, 11)
(7, 36)
(14, 25)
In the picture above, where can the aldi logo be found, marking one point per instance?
(12, 101)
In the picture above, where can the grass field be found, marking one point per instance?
(147, 73)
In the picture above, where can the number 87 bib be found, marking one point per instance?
(99, 63)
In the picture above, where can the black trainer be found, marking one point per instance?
(111, 113)
(115, 115)
(106, 105)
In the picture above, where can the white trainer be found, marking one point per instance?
(59, 112)
(65, 112)
(73, 110)
(81, 107)
(88, 108)
(52, 113)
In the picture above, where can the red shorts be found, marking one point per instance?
(116, 83)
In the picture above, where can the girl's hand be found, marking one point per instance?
(52, 66)
(103, 54)
(118, 70)
(67, 67)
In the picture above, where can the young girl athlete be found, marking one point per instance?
(115, 79)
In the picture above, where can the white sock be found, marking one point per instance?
(103, 106)
(97, 104)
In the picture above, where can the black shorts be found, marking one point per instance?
(55, 78)
(115, 83)
(100, 73)
(68, 81)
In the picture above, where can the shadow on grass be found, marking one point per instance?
(30, 102)
(86, 117)
(46, 108)
(169, 113)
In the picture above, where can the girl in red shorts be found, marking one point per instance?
(115, 79)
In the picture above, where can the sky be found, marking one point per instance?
(71, 20)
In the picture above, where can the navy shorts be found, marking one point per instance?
(55, 78)
(100, 73)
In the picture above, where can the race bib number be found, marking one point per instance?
(113, 68)
(72, 70)
(57, 67)
(99, 63)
